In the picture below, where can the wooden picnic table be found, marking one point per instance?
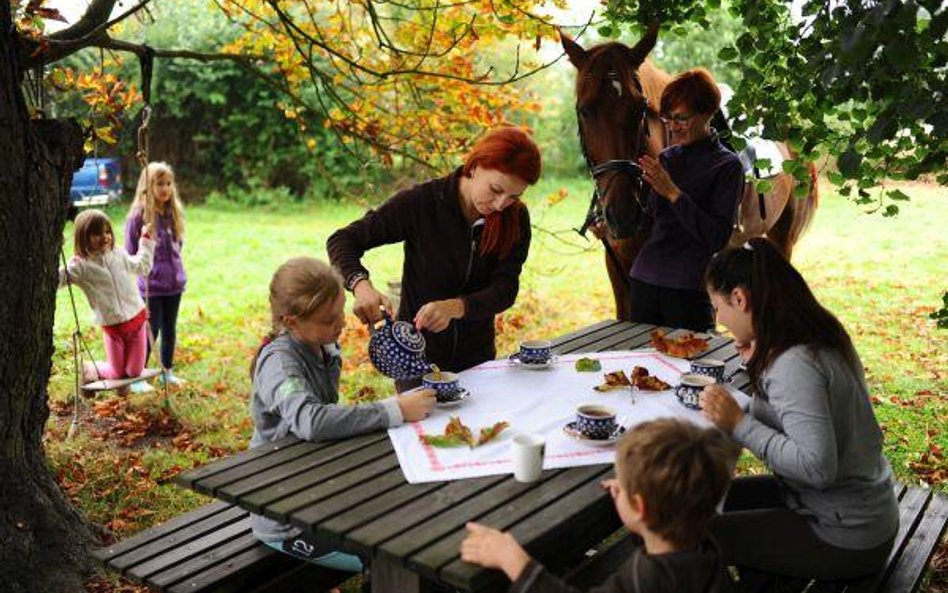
(352, 495)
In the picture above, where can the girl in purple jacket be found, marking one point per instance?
(157, 203)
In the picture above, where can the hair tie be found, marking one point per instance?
(747, 246)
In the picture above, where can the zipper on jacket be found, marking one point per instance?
(475, 229)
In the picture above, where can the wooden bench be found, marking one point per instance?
(212, 549)
(923, 516)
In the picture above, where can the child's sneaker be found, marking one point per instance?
(141, 387)
(169, 376)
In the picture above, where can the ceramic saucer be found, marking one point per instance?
(573, 432)
(461, 395)
(532, 366)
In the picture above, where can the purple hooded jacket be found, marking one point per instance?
(167, 274)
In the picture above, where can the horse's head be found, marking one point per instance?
(611, 111)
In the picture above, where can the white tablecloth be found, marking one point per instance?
(541, 402)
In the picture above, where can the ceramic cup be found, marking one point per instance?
(446, 386)
(690, 388)
(709, 367)
(527, 457)
(595, 421)
(535, 352)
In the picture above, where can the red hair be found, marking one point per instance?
(693, 89)
(511, 151)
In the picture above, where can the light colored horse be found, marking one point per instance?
(617, 93)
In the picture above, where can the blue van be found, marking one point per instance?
(97, 183)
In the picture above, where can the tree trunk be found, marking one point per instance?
(43, 539)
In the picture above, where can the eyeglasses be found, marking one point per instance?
(678, 118)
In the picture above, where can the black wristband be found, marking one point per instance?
(354, 279)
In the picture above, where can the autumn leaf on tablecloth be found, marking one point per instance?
(588, 365)
(615, 380)
(456, 434)
(457, 428)
(489, 434)
(440, 440)
(647, 382)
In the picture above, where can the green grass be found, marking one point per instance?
(881, 276)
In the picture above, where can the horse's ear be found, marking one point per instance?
(644, 46)
(574, 51)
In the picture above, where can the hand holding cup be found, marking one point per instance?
(415, 405)
(720, 407)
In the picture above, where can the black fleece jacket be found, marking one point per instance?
(441, 262)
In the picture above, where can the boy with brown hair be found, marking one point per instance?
(670, 476)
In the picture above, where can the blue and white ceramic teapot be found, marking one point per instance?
(397, 349)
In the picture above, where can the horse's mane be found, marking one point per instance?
(654, 80)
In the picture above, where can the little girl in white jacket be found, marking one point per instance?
(105, 275)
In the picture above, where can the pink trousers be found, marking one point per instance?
(125, 354)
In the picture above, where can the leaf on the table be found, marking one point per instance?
(456, 428)
(489, 434)
(646, 382)
(588, 365)
(614, 380)
(441, 440)
(458, 434)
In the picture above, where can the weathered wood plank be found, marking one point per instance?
(366, 538)
(358, 474)
(188, 550)
(514, 510)
(910, 566)
(583, 516)
(188, 478)
(563, 341)
(317, 470)
(177, 538)
(159, 531)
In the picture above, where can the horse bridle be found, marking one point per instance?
(596, 212)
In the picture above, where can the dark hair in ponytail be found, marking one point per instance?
(784, 312)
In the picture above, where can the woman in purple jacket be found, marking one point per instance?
(160, 207)
(696, 185)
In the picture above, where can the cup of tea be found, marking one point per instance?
(445, 385)
(535, 352)
(596, 422)
(709, 367)
(527, 457)
(690, 387)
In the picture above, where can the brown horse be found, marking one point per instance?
(617, 93)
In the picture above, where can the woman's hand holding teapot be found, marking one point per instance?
(368, 302)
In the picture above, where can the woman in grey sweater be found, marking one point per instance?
(829, 510)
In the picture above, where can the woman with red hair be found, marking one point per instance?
(465, 236)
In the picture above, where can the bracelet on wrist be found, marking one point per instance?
(354, 279)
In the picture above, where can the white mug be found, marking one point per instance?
(527, 457)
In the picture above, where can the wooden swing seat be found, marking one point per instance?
(109, 384)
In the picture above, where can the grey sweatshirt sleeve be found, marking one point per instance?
(805, 450)
(287, 404)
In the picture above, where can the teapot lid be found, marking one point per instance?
(406, 336)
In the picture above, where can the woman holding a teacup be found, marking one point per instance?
(465, 236)
(829, 511)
